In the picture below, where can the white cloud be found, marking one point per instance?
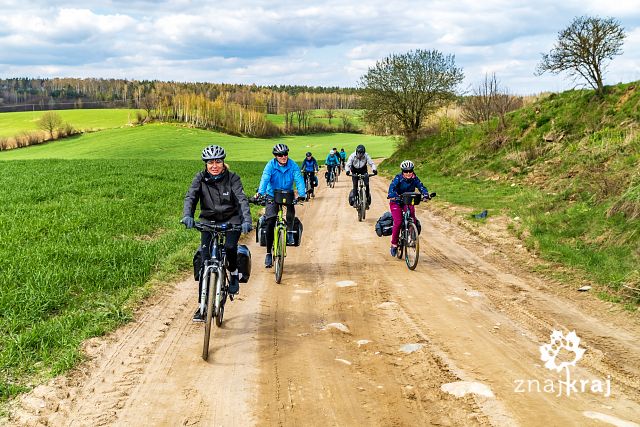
(332, 42)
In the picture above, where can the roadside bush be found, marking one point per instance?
(4, 144)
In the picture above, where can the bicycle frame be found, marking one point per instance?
(281, 223)
(214, 265)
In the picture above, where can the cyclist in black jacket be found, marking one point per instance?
(222, 200)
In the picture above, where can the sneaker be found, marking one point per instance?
(197, 317)
(290, 240)
(234, 284)
(268, 261)
(394, 251)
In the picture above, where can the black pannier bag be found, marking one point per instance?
(418, 226)
(197, 265)
(314, 182)
(244, 263)
(296, 232)
(352, 197)
(384, 225)
(261, 231)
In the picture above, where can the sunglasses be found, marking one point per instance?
(215, 161)
(282, 155)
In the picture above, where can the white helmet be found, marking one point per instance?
(213, 152)
(280, 149)
(406, 166)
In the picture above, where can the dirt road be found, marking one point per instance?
(352, 337)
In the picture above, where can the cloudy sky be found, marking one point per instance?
(325, 42)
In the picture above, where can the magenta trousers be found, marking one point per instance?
(396, 213)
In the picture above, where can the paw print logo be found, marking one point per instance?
(570, 343)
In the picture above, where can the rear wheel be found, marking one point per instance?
(412, 247)
(279, 254)
(210, 280)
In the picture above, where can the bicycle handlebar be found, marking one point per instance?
(262, 200)
(203, 226)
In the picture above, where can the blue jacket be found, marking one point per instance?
(278, 177)
(401, 185)
(310, 165)
(343, 155)
(332, 160)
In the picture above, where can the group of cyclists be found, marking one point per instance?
(222, 199)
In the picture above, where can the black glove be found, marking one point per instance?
(425, 197)
(246, 227)
(188, 221)
(374, 172)
(301, 199)
(348, 173)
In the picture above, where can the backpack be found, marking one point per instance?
(384, 225)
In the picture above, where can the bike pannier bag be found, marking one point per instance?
(197, 265)
(261, 231)
(418, 226)
(283, 197)
(384, 225)
(411, 198)
(296, 232)
(352, 197)
(244, 263)
(314, 182)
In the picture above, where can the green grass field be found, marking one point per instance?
(90, 223)
(169, 142)
(320, 116)
(12, 124)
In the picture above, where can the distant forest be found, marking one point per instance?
(30, 94)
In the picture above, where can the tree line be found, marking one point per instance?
(21, 94)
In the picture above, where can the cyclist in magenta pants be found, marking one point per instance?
(406, 181)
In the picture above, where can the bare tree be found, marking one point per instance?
(49, 122)
(582, 48)
(490, 100)
(409, 87)
(330, 113)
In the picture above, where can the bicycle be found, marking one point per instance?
(361, 196)
(409, 241)
(332, 176)
(214, 280)
(308, 183)
(279, 250)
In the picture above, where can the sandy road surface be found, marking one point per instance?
(352, 337)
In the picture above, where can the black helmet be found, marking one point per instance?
(280, 149)
(360, 149)
(213, 152)
(308, 154)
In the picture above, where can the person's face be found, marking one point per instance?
(407, 175)
(359, 154)
(282, 158)
(215, 166)
(308, 157)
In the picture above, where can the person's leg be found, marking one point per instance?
(396, 213)
(231, 250)
(366, 185)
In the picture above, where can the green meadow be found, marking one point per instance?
(90, 224)
(320, 116)
(173, 142)
(12, 124)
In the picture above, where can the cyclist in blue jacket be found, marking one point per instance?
(332, 162)
(280, 173)
(406, 181)
(310, 167)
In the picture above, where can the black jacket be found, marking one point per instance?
(221, 199)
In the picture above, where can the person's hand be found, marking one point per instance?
(425, 197)
(246, 227)
(348, 173)
(188, 221)
(375, 172)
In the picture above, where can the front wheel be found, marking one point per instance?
(362, 207)
(412, 247)
(279, 253)
(210, 281)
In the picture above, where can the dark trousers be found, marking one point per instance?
(270, 216)
(354, 180)
(230, 247)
